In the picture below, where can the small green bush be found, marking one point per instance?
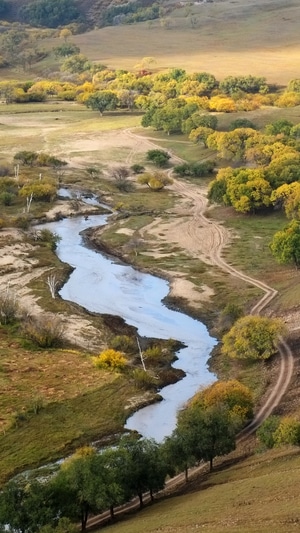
(124, 343)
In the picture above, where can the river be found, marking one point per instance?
(105, 285)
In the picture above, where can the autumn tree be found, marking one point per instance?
(253, 337)
(288, 197)
(232, 145)
(288, 432)
(285, 245)
(237, 398)
(156, 181)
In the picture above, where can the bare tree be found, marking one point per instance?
(52, 283)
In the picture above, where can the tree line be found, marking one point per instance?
(90, 482)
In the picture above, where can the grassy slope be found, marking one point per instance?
(239, 37)
(258, 495)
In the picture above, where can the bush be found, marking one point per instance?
(9, 308)
(158, 157)
(265, 432)
(137, 169)
(44, 331)
(143, 380)
(241, 123)
(110, 360)
(288, 432)
(124, 343)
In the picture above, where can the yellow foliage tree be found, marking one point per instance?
(236, 396)
(253, 337)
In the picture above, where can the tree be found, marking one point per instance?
(49, 13)
(209, 432)
(80, 487)
(278, 127)
(288, 432)
(288, 196)
(265, 432)
(66, 49)
(102, 101)
(144, 466)
(25, 506)
(76, 64)
(247, 191)
(285, 245)
(241, 123)
(253, 337)
(159, 157)
(156, 181)
(235, 396)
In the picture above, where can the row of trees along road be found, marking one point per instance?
(89, 482)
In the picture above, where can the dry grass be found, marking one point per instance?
(241, 37)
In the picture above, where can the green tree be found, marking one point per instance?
(66, 49)
(241, 123)
(265, 432)
(279, 126)
(102, 101)
(285, 245)
(253, 337)
(76, 64)
(159, 157)
(208, 431)
(49, 13)
(144, 465)
(25, 506)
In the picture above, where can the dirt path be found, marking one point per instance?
(208, 241)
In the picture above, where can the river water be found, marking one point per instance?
(105, 285)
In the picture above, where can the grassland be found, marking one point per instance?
(225, 37)
(256, 495)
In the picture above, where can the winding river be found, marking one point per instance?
(105, 285)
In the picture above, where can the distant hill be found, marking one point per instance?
(90, 12)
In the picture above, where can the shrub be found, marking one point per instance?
(288, 432)
(137, 169)
(143, 380)
(9, 307)
(241, 123)
(153, 353)
(44, 331)
(6, 198)
(158, 157)
(48, 237)
(110, 360)
(265, 432)
(124, 343)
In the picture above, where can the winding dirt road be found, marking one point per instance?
(206, 238)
